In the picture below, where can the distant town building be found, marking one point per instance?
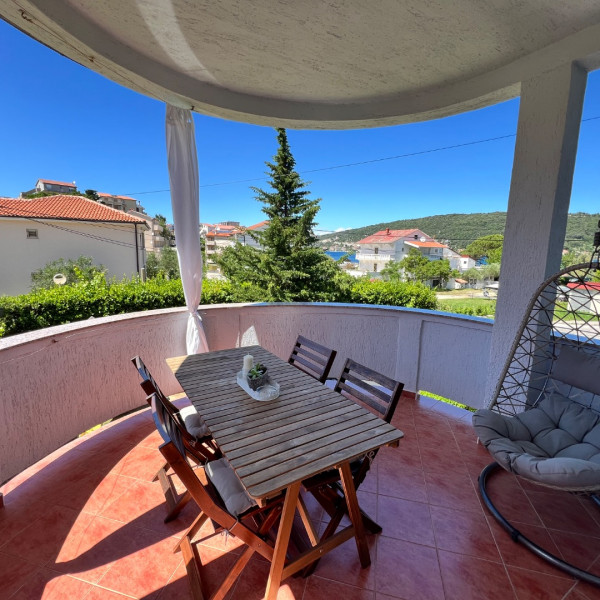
(124, 203)
(34, 232)
(225, 235)
(377, 250)
(154, 240)
(48, 185)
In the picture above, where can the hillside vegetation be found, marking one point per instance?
(459, 230)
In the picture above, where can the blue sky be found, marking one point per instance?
(62, 121)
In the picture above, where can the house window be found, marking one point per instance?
(375, 267)
(32, 234)
(376, 250)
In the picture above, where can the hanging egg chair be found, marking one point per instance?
(543, 423)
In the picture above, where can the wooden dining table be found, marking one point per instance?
(274, 445)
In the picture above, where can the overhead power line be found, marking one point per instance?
(359, 163)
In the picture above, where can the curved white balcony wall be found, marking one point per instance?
(60, 381)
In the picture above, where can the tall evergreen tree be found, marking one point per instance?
(289, 266)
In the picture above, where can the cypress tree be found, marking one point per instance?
(289, 266)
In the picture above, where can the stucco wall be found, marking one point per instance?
(58, 382)
(20, 256)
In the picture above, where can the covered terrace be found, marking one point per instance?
(305, 65)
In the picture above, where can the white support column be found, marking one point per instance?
(540, 191)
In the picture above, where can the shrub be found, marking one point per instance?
(65, 304)
(98, 298)
(389, 293)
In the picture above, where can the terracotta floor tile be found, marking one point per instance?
(50, 585)
(318, 588)
(401, 481)
(343, 565)
(143, 504)
(468, 578)
(407, 454)
(510, 500)
(531, 585)
(408, 568)
(517, 555)
(442, 458)
(145, 567)
(587, 591)
(98, 593)
(43, 539)
(178, 586)
(464, 532)
(579, 550)
(252, 584)
(89, 555)
(94, 492)
(565, 513)
(14, 573)
(452, 489)
(140, 463)
(405, 520)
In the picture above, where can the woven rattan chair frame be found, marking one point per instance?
(564, 312)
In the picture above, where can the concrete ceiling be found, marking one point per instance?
(318, 64)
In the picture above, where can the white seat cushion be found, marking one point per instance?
(193, 422)
(230, 488)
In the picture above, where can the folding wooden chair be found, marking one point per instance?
(221, 498)
(312, 358)
(190, 420)
(377, 393)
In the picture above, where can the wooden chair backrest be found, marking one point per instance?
(312, 358)
(364, 384)
(179, 444)
(149, 385)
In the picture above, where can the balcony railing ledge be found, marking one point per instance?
(60, 381)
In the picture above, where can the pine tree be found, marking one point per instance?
(289, 266)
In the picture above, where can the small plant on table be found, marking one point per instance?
(257, 376)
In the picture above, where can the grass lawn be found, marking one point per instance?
(481, 307)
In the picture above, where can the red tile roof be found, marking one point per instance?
(69, 208)
(388, 236)
(105, 195)
(258, 225)
(425, 244)
(67, 183)
(588, 285)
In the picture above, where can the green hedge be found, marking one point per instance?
(412, 295)
(45, 308)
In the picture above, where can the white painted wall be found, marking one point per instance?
(20, 256)
(58, 382)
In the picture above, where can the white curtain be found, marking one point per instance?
(185, 201)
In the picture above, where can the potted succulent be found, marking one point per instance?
(257, 376)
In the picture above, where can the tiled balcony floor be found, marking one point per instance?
(87, 523)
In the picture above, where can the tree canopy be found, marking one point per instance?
(488, 246)
(75, 270)
(289, 265)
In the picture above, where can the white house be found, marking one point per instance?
(49, 185)
(37, 231)
(377, 250)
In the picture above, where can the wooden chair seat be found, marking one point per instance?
(188, 418)
(312, 358)
(378, 393)
(252, 526)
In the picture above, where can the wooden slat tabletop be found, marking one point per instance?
(308, 429)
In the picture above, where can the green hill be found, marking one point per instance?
(459, 230)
